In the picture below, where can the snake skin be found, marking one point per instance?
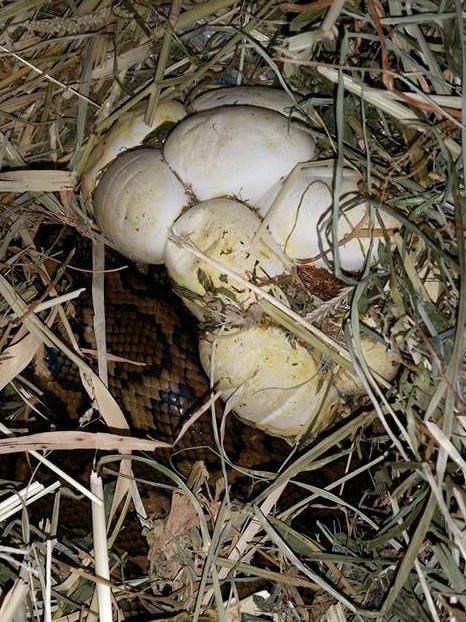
(160, 383)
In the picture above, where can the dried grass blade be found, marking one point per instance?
(36, 181)
(26, 499)
(75, 440)
(288, 553)
(15, 358)
(378, 98)
(210, 567)
(269, 575)
(109, 409)
(410, 555)
(14, 600)
(19, 7)
(254, 526)
(125, 60)
(304, 461)
(164, 55)
(48, 77)
(447, 445)
(99, 538)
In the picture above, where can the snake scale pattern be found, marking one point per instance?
(157, 380)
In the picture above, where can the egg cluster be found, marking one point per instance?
(238, 179)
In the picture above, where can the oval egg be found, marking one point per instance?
(298, 215)
(127, 133)
(223, 229)
(137, 199)
(238, 151)
(268, 381)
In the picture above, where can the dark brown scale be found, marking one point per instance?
(147, 329)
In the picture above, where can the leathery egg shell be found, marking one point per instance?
(127, 133)
(136, 201)
(260, 96)
(300, 214)
(236, 151)
(224, 230)
(270, 383)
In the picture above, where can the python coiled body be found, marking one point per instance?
(145, 323)
(157, 379)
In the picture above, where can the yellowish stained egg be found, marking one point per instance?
(268, 381)
(224, 230)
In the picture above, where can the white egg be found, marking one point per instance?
(136, 201)
(298, 215)
(260, 96)
(268, 381)
(236, 151)
(224, 230)
(127, 133)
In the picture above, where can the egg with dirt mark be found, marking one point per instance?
(224, 230)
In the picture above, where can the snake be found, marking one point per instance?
(154, 374)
